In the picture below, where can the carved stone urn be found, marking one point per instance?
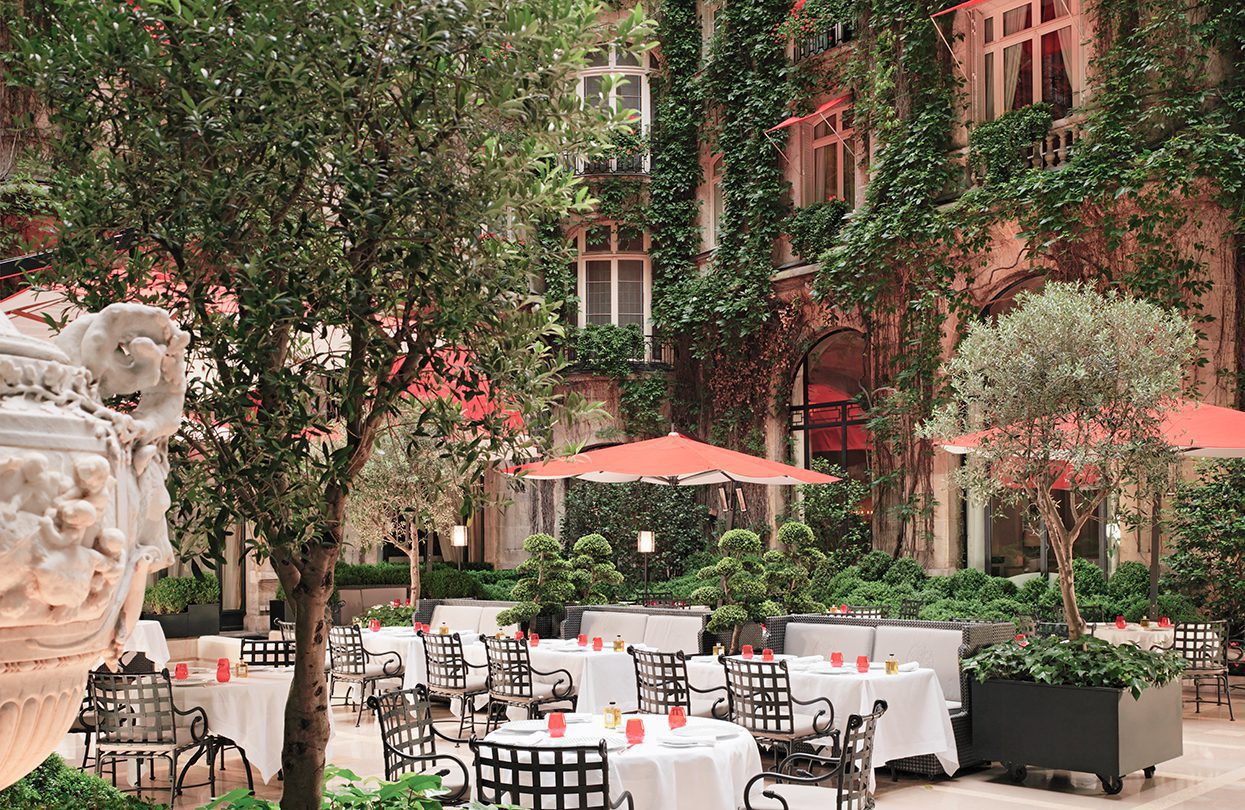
(82, 509)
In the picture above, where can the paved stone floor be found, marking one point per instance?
(1210, 775)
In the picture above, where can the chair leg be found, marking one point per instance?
(1227, 693)
(246, 765)
(86, 749)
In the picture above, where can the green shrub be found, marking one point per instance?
(878, 593)
(1050, 605)
(175, 594)
(608, 349)
(874, 565)
(833, 512)
(348, 575)
(947, 609)
(814, 227)
(1088, 578)
(1031, 592)
(1208, 561)
(592, 571)
(499, 591)
(1098, 608)
(445, 582)
(388, 615)
(998, 149)
(832, 588)
(991, 589)
(969, 583)
(943, 585)
(1001, 610)
(1010, 590)
(1130, 581)
(56, 786)
(905, 571)
(1177, 607)
(1135, 608)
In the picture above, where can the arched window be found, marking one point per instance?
(827, 417)
(630, 91)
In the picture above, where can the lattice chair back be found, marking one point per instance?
(405, 719)
(263, 652)
(346, 654)
(1203, 645)
(509, 667)
(856, 764)
(661, 681)
(759, 693)
(133, 709)
(443, 659)
(562, 778)
(287, 630)
(910, 610)
(868, 611)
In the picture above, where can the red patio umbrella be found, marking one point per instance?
(673, 460)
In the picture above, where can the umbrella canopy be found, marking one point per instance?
(673, 460)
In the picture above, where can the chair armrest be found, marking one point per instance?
(394, 660)
(568, 680)
(724, 712)
(624, 798)
(434, 758)
(787, 766)
(782, 778)
(200, 718)
(828, 711)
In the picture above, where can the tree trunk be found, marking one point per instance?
(307, 706)
(735, 638)
(1061, 541)
(412, 552)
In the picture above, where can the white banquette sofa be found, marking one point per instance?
(938, 645)
(664, 629)
(476, 615)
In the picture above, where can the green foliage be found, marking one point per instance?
(1088, 578)
(879, 593)
(967, 583)
(447, 582)
(593, 573)
(905, 571)
(607, 349)
(1207, 564)
(814, 228)
(175, 594)
(1032, 591)
(739, 593)
(833, 587)
(545, 584)
(345, 789)
(1089, 662)
(789, 569)
(352, 575)
(56, 786)
(999, 149)
(641, 403)
(1130, 581)
(387, 615)
(832, 511)
(618, 511)
(874, 565)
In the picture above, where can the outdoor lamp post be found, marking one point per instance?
(645, 545)
(458, 539)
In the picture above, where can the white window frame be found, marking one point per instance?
(840, 139)
(613, 255)
(631, 73)
(1073, 61)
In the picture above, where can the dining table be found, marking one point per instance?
(916, 722)
(1134, 633)
(704, 765)
(148, 638)
(406, 642)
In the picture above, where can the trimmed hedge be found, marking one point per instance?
(55, 785)
(175, 594)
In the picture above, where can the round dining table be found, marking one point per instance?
(1134, 633)
(703, 766)
(148, 638)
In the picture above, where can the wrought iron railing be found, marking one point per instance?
(823, 41)
(646, 349)
(618, 164)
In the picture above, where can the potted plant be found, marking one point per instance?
(184, 606)
(543, 590)
(1082, 705)
(740, 598)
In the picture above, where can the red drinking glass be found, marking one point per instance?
(222, 670)
(836, 659)
(1164, 621)
(518, 635)
(677, 717)
(397, 603)
(635, 731)
(583, 640)
(862, 663)
(597, 643)
(1120, 622)
(533, 639)
(843, 609)
(767, 654)
(746, 652)
(557, 724)
(181, 672)
(374, 625)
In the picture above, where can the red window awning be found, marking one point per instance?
(957, 7)
(822, 110)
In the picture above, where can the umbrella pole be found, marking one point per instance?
(1155, 543)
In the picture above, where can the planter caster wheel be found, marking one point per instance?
(1111, 785)
(1016, 772)
(1149, 772)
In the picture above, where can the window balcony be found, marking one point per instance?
(586, 352)
(1055, 148)
(635, 164)
(832, 37)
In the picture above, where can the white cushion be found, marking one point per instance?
(488, 622)
(937, 649)
(798, 797)
(456, 617)
(213, 648)
(807, 638)
(608, 624)
(674, 633)
(953, 706)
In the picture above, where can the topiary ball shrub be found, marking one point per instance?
(905, 571)
(738, 542)
(874, 565)
(1088, 578)
(794, 535)
(969, 583)
(1130, 581)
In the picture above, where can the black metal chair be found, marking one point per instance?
(262, 652)
(84, 724)
(869, 611)
(409, 738)
(449, 674)
(561, 778)
(795, 786)
(1059, 629)
(759, 698)
(135, 719)
(287, 630)
(661, 683)
(1204, 648)
(910, 609)
(511, 682)
(351, 663)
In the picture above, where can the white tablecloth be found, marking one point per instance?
(1143, 637)
(405, 643)
(250, 711)
(148, 638)
(916, 720)
(707, 777)
(600, 677)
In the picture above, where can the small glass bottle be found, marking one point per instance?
(444, 629)
(241, 669)
(718, 650)
(1145, 621)
(612, 716)
(892, 665)
(619, 644)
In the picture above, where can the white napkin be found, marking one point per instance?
(808, 659)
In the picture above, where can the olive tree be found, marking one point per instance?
(1068, 391)
(333, 198)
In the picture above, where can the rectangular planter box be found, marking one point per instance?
(1095, 730)
(198, 620)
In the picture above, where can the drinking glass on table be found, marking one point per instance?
(583, 640)
(598, 643)
(746, 652)
(181, 672)
(635, 731)
(862, 663)
(557, 724)
(767, 654)
(836, 660)
(677, 717)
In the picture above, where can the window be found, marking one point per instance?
(830, 162)
(828, 421)
(614, 275)
(629, 92)
(717, 204)
(1029, 54)
(711, 23)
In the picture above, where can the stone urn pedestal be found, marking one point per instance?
(82, 505)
